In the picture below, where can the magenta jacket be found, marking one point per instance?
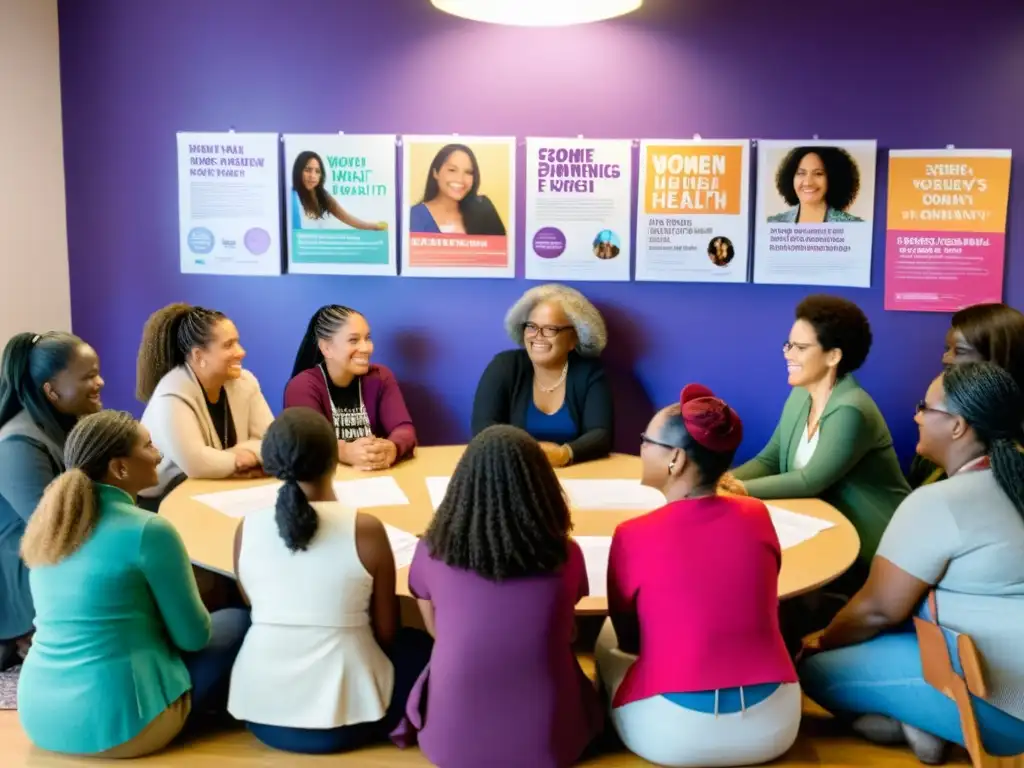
(383, 400)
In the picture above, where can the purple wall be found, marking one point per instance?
(134, 73)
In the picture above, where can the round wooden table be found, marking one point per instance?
(209, 534)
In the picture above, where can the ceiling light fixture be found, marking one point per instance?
(537, 13)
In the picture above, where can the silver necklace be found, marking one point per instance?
(557, 384)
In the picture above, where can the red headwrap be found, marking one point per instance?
(710, 422)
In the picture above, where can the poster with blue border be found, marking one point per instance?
(339, 193)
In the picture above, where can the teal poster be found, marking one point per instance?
(340, 202)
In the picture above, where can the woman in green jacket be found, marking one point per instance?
(992, 333)
(832, 442)
(124, 648)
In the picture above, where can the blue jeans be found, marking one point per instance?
(210, 668)
(883, 676)
(409, 654)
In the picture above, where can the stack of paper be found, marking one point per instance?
(403, 545)
(380, 491)
(358, 494)
(612, 494)
(243, 501)
(437, 487)
(794, 528)
(595, 554)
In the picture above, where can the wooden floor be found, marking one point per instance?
(820, 744)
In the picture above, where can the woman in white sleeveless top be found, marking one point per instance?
(324, 667)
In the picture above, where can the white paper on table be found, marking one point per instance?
(437, 487)
(612, 494)
(243, 501)
(370, 492)
(403, 545)
(794, 528)
(595, 554)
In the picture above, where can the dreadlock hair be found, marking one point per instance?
(168, 337)
(325, 322)
(504, 515)
(29, 361)
(989, 400)
(300, 446)
(67, 513)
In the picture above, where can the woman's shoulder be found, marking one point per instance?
(852, 395)
(835, 214)
(784, 217)
(176, 382)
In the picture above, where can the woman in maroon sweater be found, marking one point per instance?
(333, 375)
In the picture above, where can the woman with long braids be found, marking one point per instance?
(333, 375)
(692, 657)
(497, 579)
(325, 667)
(206, 413)
(961, 537)
(47, 382)
(124, 650)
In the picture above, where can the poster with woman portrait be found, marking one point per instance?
(458, 206)
(579, 195)
(815, 205)
(340, 199)
(693, 219)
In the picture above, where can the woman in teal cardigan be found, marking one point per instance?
(124, 648)
(832, 442)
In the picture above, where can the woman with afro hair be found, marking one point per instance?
(820, 183)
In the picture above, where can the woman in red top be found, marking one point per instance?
(692, 658)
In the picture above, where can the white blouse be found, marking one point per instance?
(310, 659)
(805, 449)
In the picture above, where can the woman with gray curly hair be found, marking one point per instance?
(554, 386)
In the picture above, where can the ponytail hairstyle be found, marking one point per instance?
(299, 447)
(325, 322)
(67, 513)
(168, 337)
(989, 400)
(29, 361)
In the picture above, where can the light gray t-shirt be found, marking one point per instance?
(965, 536)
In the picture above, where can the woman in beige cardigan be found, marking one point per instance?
(206, 414)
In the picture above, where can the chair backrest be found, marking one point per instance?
(940, 673)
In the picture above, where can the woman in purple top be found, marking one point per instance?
(333, 375)
(497, 579)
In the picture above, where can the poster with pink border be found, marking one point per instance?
(945, 243)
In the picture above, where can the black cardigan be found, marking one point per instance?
(506, 388)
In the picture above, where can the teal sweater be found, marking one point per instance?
(111, 622)
(854, 467)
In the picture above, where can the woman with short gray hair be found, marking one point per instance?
(554, 385)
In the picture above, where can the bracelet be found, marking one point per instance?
(568, 449)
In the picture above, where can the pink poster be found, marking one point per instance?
(945, 244)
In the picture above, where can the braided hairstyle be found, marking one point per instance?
(989, 400)
(504, 515)
(168, 337)
(326, 322)
(29, 361)
(68, 511)
(299, 446)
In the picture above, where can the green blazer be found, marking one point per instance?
(854, 467)
(112, 620)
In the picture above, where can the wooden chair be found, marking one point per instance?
(940, 673)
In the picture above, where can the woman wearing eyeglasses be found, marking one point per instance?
(831, 442)
(554, 386)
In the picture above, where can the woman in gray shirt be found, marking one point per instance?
(46, 383)
(962, 537)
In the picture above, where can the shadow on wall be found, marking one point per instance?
(435, 423)
(633, 406)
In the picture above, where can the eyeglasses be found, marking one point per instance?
(645, 440)
(923, 407)
(791, 345)
(547, 331)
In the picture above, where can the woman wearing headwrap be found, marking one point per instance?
(728, 693)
